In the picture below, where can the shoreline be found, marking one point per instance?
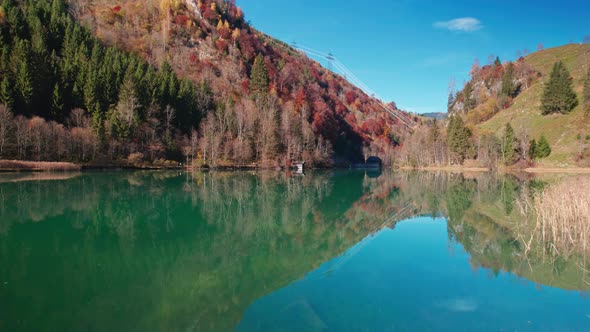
(26, 166)
(21, 166)
(446, 169)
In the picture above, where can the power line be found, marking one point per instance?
(351, 77)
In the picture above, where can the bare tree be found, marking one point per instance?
(169, 114)
(6, 124)
(22, 136)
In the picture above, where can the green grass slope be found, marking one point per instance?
(562, 131)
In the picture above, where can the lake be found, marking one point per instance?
(245, 251)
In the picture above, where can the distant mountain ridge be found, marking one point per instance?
(435, 115)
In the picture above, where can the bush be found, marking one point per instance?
(135, 158)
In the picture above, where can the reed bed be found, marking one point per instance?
(17, 165)
(563, 216)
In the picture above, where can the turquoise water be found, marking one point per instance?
(412, 279)
(330, 251)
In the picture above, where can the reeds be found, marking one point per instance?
(17, 165)
(563, 216)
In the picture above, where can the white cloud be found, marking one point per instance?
(464, 24)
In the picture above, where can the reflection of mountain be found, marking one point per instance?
(158, 251)
(483, 215)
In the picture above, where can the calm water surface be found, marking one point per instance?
(333, 251)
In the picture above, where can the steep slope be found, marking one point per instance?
(309, 109)
(490, 111)
(566, 132)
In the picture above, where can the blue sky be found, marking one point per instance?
(407, 51)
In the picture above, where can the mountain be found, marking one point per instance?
(501, 93)
(436, 115)
(146, 80)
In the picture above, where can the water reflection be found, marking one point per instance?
(168, 251)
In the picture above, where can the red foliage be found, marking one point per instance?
(350, 97)
(224, 33)
(373, 127)
(248, 45)
(221, 45)
(116, 9)
(498, 72)
(341, 109)
(245, 86)
(181, 20)
(209, 14)
(350, 119)
(300, 98)
(193, 58)
(324, 122)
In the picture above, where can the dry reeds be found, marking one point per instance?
(563, 216)
(17, 165)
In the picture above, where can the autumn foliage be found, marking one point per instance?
(245, 114)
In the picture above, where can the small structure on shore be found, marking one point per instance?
(299, 167)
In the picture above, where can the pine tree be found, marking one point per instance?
(6, 93)
(508, 87)
(543, 148)
(450, 102)
(434, 136)
(458, 138)
(124, 117)
(469, 102)
(90, 89)
(509, 145)
(24, 85)
(56, 102)
(533, 149)
(586, 94)
(259, 76)
(559, 96)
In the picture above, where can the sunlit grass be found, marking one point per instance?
(525, 113)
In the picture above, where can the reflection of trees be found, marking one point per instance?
(484, 216)
(145, 251)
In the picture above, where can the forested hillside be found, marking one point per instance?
(534, 111)
(149, 80)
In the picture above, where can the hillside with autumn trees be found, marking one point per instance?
(534, 111)
(147, 81)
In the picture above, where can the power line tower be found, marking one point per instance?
(330, 59)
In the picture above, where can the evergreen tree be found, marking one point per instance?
(259, 76)
(56, 102)
(508, 86)
(125, 117)
(559, 96)
(458, 138)
(543, 148)
(450, 102)
(509, 145)
(24, 86)
(90, 87)
(469, 102)
(434, 136)
(586, 94)
(533, 149)
(6, 93)
(497, 62)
